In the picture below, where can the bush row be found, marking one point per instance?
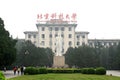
(68, 70)
(99, 71)
(2, 77)
(33, 70)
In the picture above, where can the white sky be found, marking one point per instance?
(99, 17)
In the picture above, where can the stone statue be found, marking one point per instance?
(58, 45)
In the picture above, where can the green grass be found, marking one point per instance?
(65, 77)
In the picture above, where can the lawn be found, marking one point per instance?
(65, 77)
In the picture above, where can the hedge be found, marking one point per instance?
(100, 71)
(33, 70)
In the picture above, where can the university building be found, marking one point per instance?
(47, 32)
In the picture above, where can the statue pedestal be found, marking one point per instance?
(58, 61)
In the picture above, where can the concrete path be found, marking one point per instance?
(113, 72)
(10, 74)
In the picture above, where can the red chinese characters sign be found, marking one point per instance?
(65, 17)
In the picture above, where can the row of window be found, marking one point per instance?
(69, 43)
(78, 36)
(103, 43)
(43, 43)
(50, 36)
(56, 28)
(29, 36)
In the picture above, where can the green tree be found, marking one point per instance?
(7, 46)
(83, 56)
(118, 57)
(30, 55)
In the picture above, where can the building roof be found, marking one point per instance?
(104, 40)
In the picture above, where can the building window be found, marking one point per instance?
(43, 36)
(62, 35)
(70, 43)
(34, 42)
(62, 28)
(56, 35)
(70, 35)
(56, 28)
(70, 28)
(90, 44)
(83, 43)
(78, 43)
(50, 36)
(43, 29)
(78, 36)
(34, 36)
(62, 50)
(50, 43)
(29, 36)
(42, 43)
(50, 28)
(83, 36)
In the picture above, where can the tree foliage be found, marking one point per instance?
(85, 56)
(7, 46)
(30, 55)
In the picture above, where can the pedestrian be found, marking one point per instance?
(22, 70)
(15, 69)
(18, 70)
(4, 69)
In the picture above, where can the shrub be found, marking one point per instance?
(84, 70)
(60, 70)
(100, 71)
(91, 71)
(31, 70)
(88, 71)
(42, 71)
(49, 70)
(77, 70)
(2, 77)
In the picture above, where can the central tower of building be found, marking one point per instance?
(48, 31)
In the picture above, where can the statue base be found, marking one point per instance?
(59, 61)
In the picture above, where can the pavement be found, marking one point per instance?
(10, 73)
(113, 72)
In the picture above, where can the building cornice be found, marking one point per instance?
(33, 32)
(81, 32)
(47, 25)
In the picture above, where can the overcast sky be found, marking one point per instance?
(99, 17)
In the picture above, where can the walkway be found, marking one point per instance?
(113, 72)
(10, 74)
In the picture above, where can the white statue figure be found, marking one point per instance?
(58, 45)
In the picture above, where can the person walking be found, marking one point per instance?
(15, 69)
(18, 70)
(4, 69)
(22, 70)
